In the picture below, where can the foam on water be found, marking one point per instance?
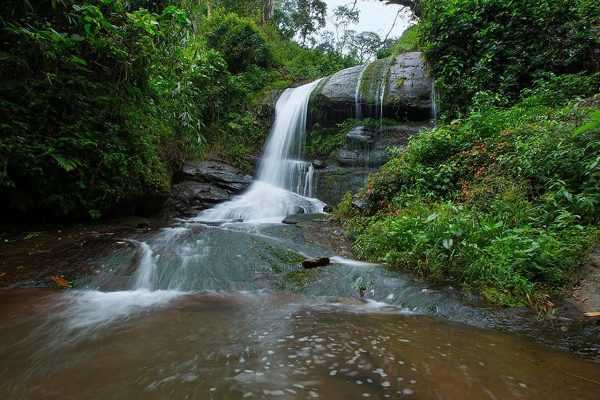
(91, 308)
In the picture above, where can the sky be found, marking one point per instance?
(375, 16)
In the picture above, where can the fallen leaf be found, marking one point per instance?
(592, 314)
(61, 282)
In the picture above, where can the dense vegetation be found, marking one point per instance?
(495, 48)
(504, 196)
(102, 101)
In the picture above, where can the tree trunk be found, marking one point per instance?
(267, 11)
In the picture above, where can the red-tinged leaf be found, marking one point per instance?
(60, 282)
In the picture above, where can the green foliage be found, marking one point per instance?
(505, 200)
(409, 41)
(102, 101)
(503, 46)
(79, 126)
(239, 41)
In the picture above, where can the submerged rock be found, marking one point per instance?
(315, 262)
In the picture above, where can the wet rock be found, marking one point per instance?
(217, 173)
(298, 218)
(203, 185)
(327, 208)
(360, 135)
(318, 164)
(189, 197)
(297, 210)
(407, 92)
(315, 262)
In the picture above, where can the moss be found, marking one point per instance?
(324, 143)
(400, 82)
(371, 79)
(296, 280)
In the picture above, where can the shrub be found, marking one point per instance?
(502, 46)
(239, 41)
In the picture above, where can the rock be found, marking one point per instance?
(298, 218)
(360, 135)
(218, 173)
(205, 184)
(188, 197)
(359, 203)
(297, 210)
(327, 208)
(333, 182)
(315, 262)
(318, 164)
(407, 92)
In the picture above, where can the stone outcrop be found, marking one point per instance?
(364, 150)
(395, 87)
(204, 184)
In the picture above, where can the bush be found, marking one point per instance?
(239, 41)
(500, 47)
(505, 200)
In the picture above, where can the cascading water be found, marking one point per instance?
(381, 91)
(434, 103)
(358, 94)
(284, 182)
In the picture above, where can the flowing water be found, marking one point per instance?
(284, 181)
(358, 93)
(206, 310)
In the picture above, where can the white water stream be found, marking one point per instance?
(284, 182)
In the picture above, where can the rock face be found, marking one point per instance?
(364, 150)
(204, 184)
(391, 87)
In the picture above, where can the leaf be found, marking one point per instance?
(78, 60)
(61, 282)
(592, 314)
(447, 243)
(431, 217)
(67, 165)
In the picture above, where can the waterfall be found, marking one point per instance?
(434, 103)
(284, 181)
(358, 94)
(381, 91)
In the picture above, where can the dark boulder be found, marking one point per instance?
(203, 185)
(216, 172)
(315, 262)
